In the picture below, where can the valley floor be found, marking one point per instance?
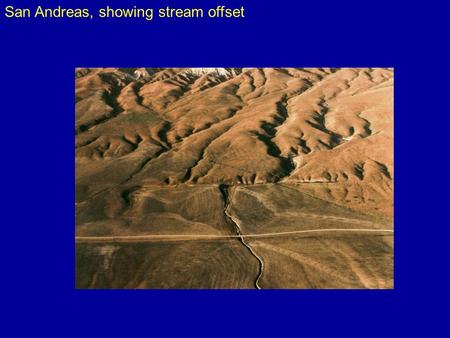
(263, 236)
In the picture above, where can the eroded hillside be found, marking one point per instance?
(205, 126)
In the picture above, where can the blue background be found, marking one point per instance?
(37, 166)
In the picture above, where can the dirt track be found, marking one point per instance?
(145, 238)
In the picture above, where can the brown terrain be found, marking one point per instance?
(234, 178)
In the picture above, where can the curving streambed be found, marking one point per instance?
(225, 190)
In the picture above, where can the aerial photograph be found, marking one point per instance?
(234, 178)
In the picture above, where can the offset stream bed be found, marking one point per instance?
(225, 190)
